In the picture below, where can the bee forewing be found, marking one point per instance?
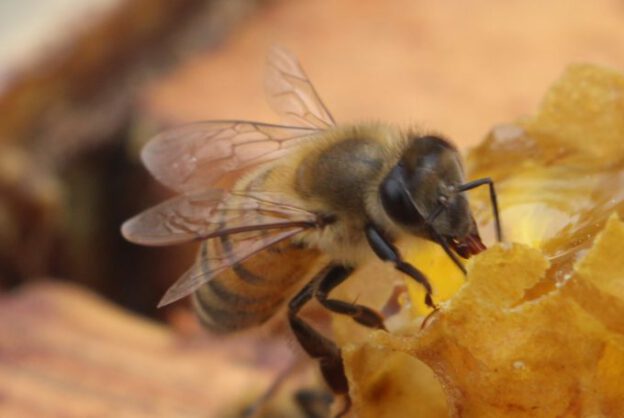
(239, 247)
(180, 219)
(214, 213)
(291, 94)
(198, 155)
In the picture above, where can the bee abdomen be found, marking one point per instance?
(223, 309)
(249, 293)
(227, 319)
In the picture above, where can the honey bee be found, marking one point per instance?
(285, 213)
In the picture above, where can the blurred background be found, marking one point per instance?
(84, 84)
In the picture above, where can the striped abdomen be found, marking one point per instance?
(249, 293)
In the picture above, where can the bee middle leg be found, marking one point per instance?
(360, 313)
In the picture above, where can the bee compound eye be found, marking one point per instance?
(396, 201)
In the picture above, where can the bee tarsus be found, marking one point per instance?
(360, 313)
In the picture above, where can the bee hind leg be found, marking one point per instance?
(315, 344)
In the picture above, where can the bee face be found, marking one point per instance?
(420, 191)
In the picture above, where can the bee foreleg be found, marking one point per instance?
(386, 251)
(361, 314)
(315, 344)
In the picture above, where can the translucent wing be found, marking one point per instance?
(291, 94)
(215, 213)
(200, 155)
(224, 253)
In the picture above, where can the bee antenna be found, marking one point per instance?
(435, 234)
(410, 198)
(493, 200)
(434, 214)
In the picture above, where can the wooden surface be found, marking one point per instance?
(65, 352)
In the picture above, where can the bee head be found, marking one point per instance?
(421, 194)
